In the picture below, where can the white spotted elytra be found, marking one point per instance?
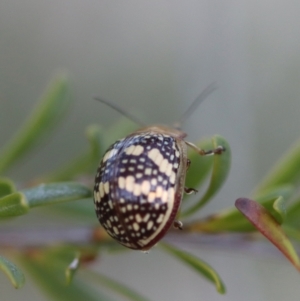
(140, 183)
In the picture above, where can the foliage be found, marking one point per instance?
(61, 270)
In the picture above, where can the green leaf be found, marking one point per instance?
(119, 130)
(232, 220)
(279, 210)
(274, 200)
(53, 193)
(124, 291)
(221, 166)
(200, 165)
(293, 215)
(286, 171)
(94, 135)
(45, 116)
(228, 220)
(6, 187)
(86, 162)
(291, 232)
(89, 161)
(77, 209)
(269, 227)
(72, 268)
(198, 265)
(13, 273)
(18, 203)
(13, 205)
(286, 191)
(49, 274)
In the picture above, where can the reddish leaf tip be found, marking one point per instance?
(242, 204)
(266, 224)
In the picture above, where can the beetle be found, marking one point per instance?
(140, 182)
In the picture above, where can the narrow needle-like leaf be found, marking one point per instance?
(232, 220)
(85, 162)
(14, 274)
(117, 287)
(72, 268)
(200, 165)
(53, 193)
(13, 205)
(44, 117)
(198, 265)
(221, 166)
(269, 227)
(50, 277)
(286, 171)
(6, 187)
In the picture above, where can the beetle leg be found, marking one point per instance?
(216, 151)
(188, 190)
(178, 225)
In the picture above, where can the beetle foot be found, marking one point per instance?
(188, 164)
(216, 151)
(190, 190)
(178, 225)
(219, 150)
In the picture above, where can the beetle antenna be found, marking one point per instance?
(121, 111)
(206, 92)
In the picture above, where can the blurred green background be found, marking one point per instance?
(154, 58)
